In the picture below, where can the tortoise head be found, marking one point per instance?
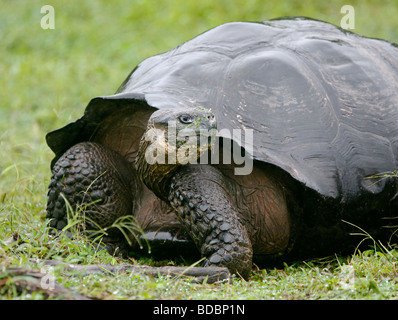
(173, 137)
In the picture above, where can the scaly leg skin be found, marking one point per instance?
(87, 173)
(206, 210)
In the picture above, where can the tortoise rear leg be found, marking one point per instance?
(97, 182)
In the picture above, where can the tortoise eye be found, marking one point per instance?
(186, 119)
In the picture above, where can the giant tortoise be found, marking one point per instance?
(252, 141)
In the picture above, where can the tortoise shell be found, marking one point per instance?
(322, 102)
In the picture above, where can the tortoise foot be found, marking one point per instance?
(211, 219)
(89, 188)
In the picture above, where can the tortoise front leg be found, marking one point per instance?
(210, 217)
(96, 182)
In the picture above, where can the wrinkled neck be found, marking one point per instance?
(155, 175)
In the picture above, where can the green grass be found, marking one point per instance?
(48, 77)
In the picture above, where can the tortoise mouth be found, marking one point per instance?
(179, 137)
(172, 147)
(165, 146)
